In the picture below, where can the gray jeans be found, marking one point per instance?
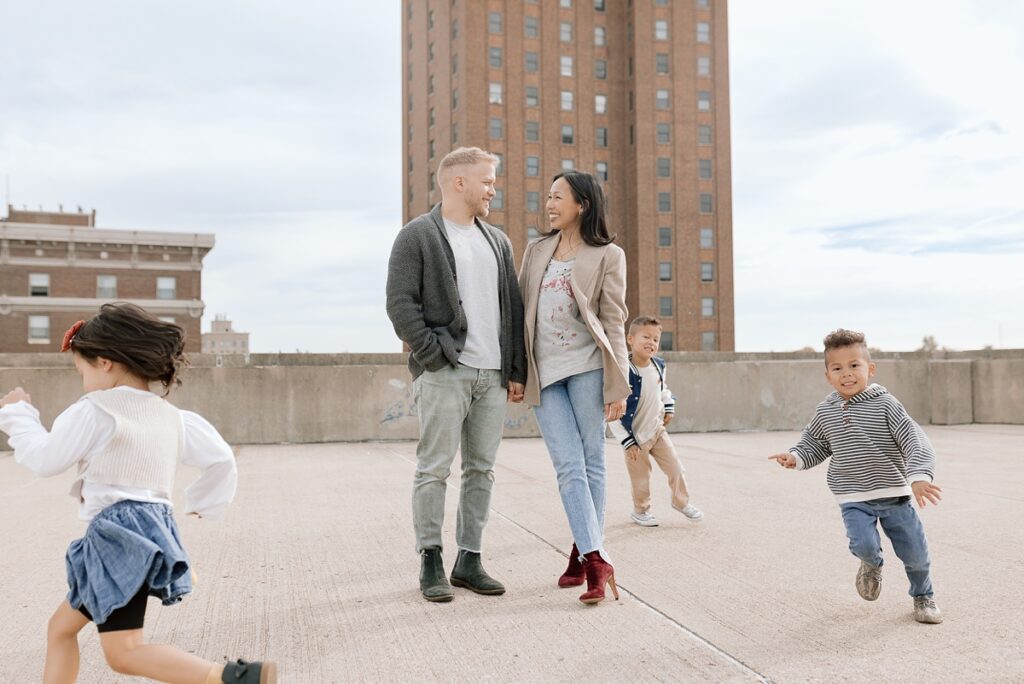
(456, 405)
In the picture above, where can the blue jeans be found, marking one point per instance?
(460, 408)
(571, 420)
(901, 524)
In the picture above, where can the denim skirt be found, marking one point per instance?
(126, 546)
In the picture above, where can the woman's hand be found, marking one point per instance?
(15, 395)
(614, 410)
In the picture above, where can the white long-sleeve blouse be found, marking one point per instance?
(83, 429)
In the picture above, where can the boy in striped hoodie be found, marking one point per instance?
(880, 458)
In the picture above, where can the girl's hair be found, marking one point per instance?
(152, 349)
(587, 192)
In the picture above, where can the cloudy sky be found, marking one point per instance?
(878, 158)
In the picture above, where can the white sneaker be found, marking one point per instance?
(644, 519)
(692, 513)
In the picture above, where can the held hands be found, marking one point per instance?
(785, 460)
(15, 395)
(515, 392)
(614, 410)
(926, 491)
(668, 419)
(633, 453)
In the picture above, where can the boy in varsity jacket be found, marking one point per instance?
(879, 458)
(641, 430)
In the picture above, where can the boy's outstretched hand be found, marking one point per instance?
(633, 453)
(925, 491)
(15, 395)
(784, 460)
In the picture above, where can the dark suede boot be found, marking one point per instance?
(432, 580)
(469, 573)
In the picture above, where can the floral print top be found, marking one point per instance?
(562, 345)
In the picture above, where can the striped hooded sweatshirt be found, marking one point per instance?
(877, 449)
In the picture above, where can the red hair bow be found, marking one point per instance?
(70, 335)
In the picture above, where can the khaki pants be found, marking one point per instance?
(661, 449)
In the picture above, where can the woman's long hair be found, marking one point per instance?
(587, 192)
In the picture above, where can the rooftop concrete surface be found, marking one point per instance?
(314, 566)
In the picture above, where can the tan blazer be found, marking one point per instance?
(599, 285)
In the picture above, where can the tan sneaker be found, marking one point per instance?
(869, 581)
(926, 611)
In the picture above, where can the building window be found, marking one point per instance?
(707, 342)
(566, 100)
(455, 98)
(665, 271)
(599, 5)
(703, 32)
(532, 27)
(707, 272)
(706, 205)
(167, 286)
(664, 133)
(494, 22)
(568, 165)
(410, 102)
(664, 306)
(495, 93)
(106, 287)
(704, 169)
(565, 3)
(455, 29)
(532, 202)
(410, 132)
(430, 52)
(707, 307)
(532, 233)
(494, 57)
(661, 100)
(661, 63)
(703, 66)
(455, 134)
(664, 201)
(602, 136)
(630, 134)
(38, 284)
(430, 85)
(496, 129)
(430, 19)
(704, 101)
(567, 134)
(533, 166)
(602, 170)
(499, 166)
(430, 121)
(661, 30)
(707, 238)
(430, 148)
(630, 100)
(532, 96)
(433, 183)
(600, 104)
(532, 62)
(565, 32)
(664, 167)
(455, 64)
(703, 135)
(566, 65)
(498, 201)
(703, 4)
(664, 236)
(666, 341)
(38, 329)
(601, 69)
(532, 131)
(600, 36)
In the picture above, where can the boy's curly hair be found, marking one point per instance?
(845, 338)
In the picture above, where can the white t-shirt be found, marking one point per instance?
(477, 268)
(650, 409)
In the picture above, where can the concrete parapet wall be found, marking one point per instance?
(303, 398)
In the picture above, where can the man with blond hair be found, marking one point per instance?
(453, 298)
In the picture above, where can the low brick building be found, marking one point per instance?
(58, 267)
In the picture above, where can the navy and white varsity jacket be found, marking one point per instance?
(622, 429)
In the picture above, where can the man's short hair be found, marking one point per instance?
(463, 156)
(641, 321)
(846, 338)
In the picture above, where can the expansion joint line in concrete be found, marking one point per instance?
(697, 638)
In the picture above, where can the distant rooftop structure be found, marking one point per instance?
(51, 218)
(222, 339)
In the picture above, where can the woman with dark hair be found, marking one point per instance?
(573, 282)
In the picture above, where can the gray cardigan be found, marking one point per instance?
(423, 298)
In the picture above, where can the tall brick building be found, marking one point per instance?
(57, 268)
(634, 91)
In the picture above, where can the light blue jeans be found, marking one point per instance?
(456, 405)
(571, 420)
(901, 524)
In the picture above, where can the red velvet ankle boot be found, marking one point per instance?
(599, 572)
(574, 575)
